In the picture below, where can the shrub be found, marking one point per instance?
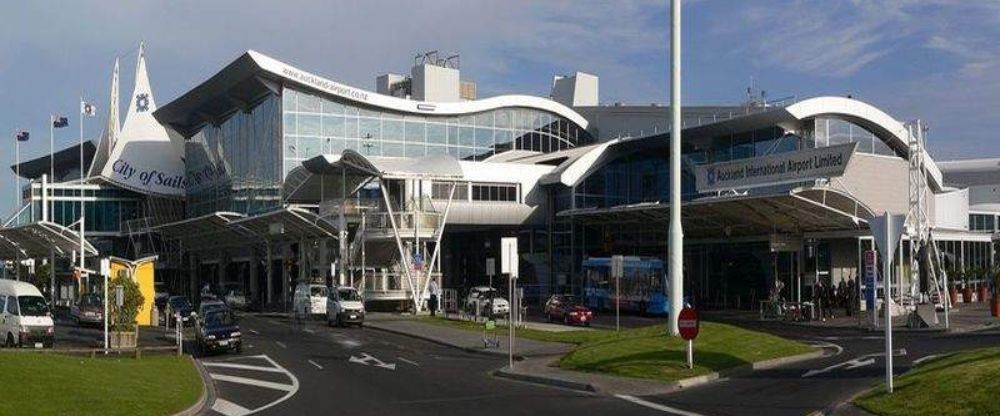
(123, 317)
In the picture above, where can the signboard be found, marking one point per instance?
(617, 267)
(780, 243)
(491, 267)
(870, 273)
(509, 256)
(775, 169)
(687, 323)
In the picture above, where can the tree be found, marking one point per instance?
(123, 317)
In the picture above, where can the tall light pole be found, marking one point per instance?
(676, 232)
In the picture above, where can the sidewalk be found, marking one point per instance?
(471, 341)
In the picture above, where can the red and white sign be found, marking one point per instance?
(687, 323)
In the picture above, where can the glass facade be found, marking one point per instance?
(983, 223)
(106, 209)
(832, 131)
(314, 125)
(236, 165)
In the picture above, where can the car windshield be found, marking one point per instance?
(318, 291)
(33, 306)
(90, 300)
(218, 318)
(235, 291)
(349, 295)
(209, 307)
(488, 293)
(180, 302)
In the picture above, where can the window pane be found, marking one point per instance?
(369, 128)
(308, 103)
(333, 126)
(392, 130)
(308, 124)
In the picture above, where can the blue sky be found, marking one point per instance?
(938, 60)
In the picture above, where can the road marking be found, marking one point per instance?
(862, 361)
(229, 408)
(254, 382)
(281, 344)
(408, 361)
(824, 344)
(367, 359)
(656, 406)
(314, 364)
(922, 359)
(254, 332)
(242, 367)
(349, 343)
(309, 330)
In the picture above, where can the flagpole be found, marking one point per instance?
(52, 149)
(81, 148)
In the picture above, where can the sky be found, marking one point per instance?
(936, 60)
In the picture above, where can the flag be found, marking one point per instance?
(22, 135)
(59, 121)
(88, 109)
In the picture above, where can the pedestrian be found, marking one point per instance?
(818, 300)
(435, 292)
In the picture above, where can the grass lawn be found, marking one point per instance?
(963, 383)
(53, 384)
(648, 353)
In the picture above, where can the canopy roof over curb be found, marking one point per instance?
(801, 210)
(224, 229)
(38, 239)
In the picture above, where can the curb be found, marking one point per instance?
(444, 343)
(548, 381)
(668, 387)
(207, 392)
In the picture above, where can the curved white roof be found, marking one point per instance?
(883, 126)
(311, 80)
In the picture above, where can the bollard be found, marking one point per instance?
(179, 325)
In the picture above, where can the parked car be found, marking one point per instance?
(25, 320)
(208, 306)
(88, 310)
(181, 305)
(568, 309)
(218, 330)
(482, 297)
(234, 297)
(310, 299)
(344, 306)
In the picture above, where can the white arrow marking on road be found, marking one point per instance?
(824, 344)
(864, 360)
(656, 406)
(367, 359)
(314, 364)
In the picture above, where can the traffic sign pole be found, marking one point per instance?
(690, 354)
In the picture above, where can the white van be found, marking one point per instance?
(309, 299)
(344, 306)
(25, 320)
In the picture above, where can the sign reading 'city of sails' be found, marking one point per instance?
(782, 168)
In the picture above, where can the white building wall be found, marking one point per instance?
(435, 84)
(577, 90)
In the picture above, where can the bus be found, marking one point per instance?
(643, 286)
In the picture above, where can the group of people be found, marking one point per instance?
(828, 298)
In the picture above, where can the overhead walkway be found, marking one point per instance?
(40, 240)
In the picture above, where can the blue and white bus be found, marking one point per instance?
(643, 286)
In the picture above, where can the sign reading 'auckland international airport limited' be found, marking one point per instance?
(803, 165)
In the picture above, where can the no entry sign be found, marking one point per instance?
(687, 323)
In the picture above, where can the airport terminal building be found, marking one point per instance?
(265, 175)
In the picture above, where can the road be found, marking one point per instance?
(856, 362)
(314, 369)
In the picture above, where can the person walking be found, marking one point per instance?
(435, 295)
(819, 299)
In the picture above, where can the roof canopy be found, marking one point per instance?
(38, 239)
(801, 210)
(65, 160)
(227, 229)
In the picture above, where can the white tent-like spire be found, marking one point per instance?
(142, 157)
(111, 131)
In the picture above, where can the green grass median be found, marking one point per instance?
(963, 383)
(53, 384)
(648, 353)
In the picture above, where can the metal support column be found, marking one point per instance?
(269, 266)
(676, 233)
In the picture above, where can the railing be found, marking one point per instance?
(405, 220)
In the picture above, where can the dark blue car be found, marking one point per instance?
(218, 331)
(180, 305)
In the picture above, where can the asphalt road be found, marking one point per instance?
(856, 363)
(313, 369)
